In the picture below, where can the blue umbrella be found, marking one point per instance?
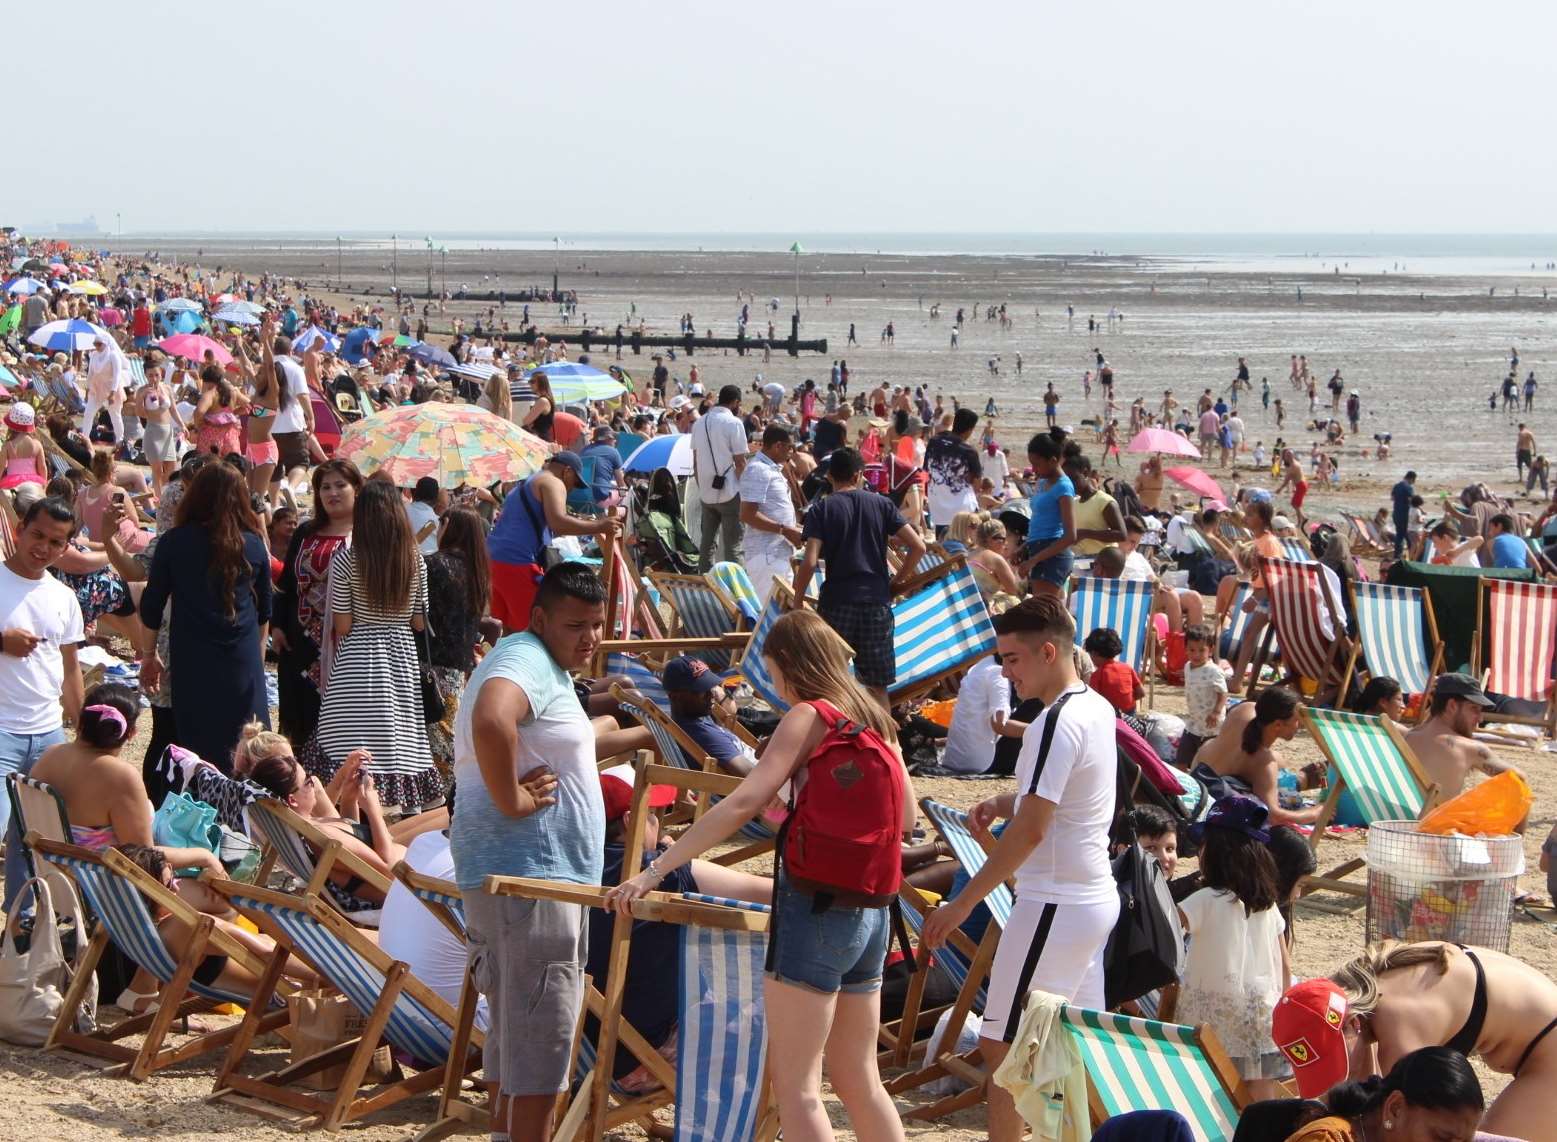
(352, 343)
(185, 321)
(432, 355)
(235, 317)
(314, 337)
(68, 336)
(572, 381)
(19, 287)
(179, 304)
(673, 452)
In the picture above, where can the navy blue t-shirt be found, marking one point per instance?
(607, 461)
(854, 527)
(1401, 495)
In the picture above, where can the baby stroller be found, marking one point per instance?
(655, 520)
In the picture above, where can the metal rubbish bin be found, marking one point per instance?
(1427, 887)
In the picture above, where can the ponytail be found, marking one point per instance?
(1275, 704)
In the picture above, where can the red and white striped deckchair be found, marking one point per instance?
(632, 608)
(1516, 628)
(1301, 601)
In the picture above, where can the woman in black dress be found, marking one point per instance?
(214, 568)
(459, 589)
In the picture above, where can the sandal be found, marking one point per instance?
(131, 1001)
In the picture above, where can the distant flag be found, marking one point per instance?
(795, 249)
(429, 242)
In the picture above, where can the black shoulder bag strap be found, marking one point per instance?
(1048, 737)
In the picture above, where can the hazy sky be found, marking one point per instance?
(738, 116)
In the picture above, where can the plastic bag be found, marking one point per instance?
(939, 712)
(1491, 809)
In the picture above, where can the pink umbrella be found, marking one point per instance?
(193, 347)
(1196, 481)
(1162, 440)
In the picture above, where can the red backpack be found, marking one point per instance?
(845, 826)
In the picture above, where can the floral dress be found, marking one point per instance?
(302, 595)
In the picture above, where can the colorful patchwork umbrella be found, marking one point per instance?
(457, 443)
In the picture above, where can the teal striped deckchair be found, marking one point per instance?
(1123, 604)
(1397, 636)
(1369, 757)
(291, 841)
(1297, 549)
(939, 628)
(399, 1009)
(702, 610)
(733, 580)
(1138, 1064)
(117, 892)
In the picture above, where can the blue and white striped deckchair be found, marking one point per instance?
(137, 372)
(953, 961)
(116, 891)
(1369, 758)
(952, 825)
(1397, 636)
(1138, 1064)
(702, 610)
(1122, 604)
(938, 630)
(1238, 624)
(287, 838)
(733, 580)
(640, 676)
(1297, 549)
(398, 1007)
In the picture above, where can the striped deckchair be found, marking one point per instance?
(1238, 621)
(733, 580)
(1369, 757)
(1138, 1064)
(117, 892)
(640, 675)
(954, 961)
(1516, 625)
(1365, 536)
(1297, 549)
(1299, 596)
(291, 841)
(1126, 606)
(939, 628)
(1397, 636)
(399, 1009)
(702, 610)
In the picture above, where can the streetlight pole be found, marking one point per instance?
(556, 260)
(394, 262)
(338, 278)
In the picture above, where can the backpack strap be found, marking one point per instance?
(834, 718)
(1048, 737)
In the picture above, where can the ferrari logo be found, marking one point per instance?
(1299, 1052)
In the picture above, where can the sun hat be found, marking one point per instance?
(1306, 1026)
(21, 418)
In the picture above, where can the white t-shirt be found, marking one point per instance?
(998, 469)
(1202, 684)
(1077, 772)
(409, 932)
(716, 440)
(970, 743)
(291, 418)
(1138, 569)
(421, 514)
(30, 687)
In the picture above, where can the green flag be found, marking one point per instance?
(795, 249)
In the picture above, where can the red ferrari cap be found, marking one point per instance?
(1306, 1025)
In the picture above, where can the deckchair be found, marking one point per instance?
(940, 627)
(1299, 595)
(288, 838)
(1454, 592)
(1126, 606)
(117, 892)
(640, 675)
(1139, 1064)
(1395, 629)
(1297, 549)
(398, 1007)
(733, 580)
(36, 808)
(702, 610)
(1238, 621)
(1516, 626)
(629, 604)
(1365, 536)
(1369, 757)
(8, 526)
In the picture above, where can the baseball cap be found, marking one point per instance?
(1464, 687)
(568, 460)
(1306, 1026)
(603, 433)
(1237, 812)
(616, 790)
(1282, 523)
(689, 676)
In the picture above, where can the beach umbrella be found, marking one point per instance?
(571, 381)
(185, 321)
(1162, 440)
(315, 338)
(58, 269)
(352, 343)
(91, 289)
(477, 370)
(10, 319)
(673, 452)
(397, 341)
(456, 443)
(110, 317)
(253, 307)
(182, 304)
(1196, 481)
(193, 347)
(22, 287)
(68, 336)
(232, 316)
(432, 355)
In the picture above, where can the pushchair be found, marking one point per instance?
(657, 526)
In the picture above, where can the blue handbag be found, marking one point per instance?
(183, 822)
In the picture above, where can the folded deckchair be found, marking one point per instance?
(1369, 757)
(940, 627)
(399, 1009)
(1397, 636)
(702, 610)
(1516, 627)
(1125, 605)
(292, 840)
(1299, 595)
(1138, 1064)
(118, 891)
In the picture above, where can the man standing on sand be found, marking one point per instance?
(719, 450)
(1400, 500)
(1148, 482)
(954, 469)
(1445, 744)
(1165, 410)
(768, 512)
(1524, 449)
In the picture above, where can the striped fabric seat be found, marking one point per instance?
(293, 855)
(1123, 604)
(704, 612)
(948, 960)
(1300, 602)
(952, 825)
(1369, 760)
(640, 676)
(1137, 1064)
(1297, 549)
(1238, 621)
(733, 580)
(1521, 626)
(1391, 626)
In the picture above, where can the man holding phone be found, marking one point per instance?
(719, 449)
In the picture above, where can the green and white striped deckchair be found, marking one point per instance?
(1397, 636)
(1369, 757)
(1138, 1064)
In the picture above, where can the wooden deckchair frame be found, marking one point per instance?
(1483, 637)
(327, 851)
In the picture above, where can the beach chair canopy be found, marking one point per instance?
(1392, 625)
(1122, 604)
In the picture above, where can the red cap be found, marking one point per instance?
(616, 789)
(1306, 1025)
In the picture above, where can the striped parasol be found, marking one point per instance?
(457, 443)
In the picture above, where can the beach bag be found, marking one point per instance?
(321, 1019)
(34, 978)
(433, 705)
(1490, 809)
(1145, 950)
(185, 823)
(844, 830)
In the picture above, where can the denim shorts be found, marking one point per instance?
(841, 949)
(1055, 569)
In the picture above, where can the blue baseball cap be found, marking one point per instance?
(568, 460)
(690, 676)
(1238, 812)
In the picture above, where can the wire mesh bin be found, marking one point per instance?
(1427, 887)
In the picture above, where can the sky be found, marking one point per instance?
(681, 117)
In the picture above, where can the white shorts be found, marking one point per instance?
(1050, 947)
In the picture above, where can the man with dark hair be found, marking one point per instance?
(850, 529)
(1508, 550)
(1056, 844)
(40, 627)
(1446, 742)
(293, 425)
(768, 511)
(954, 469)
(530, 805)
(719, 448)
(428, 502)
(1400, 499)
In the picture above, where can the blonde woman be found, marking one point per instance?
(986, 559)
(496, 398)
(823, 987)
(1396, 998)
(961, 531)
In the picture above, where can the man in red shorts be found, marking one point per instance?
(534, 512)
